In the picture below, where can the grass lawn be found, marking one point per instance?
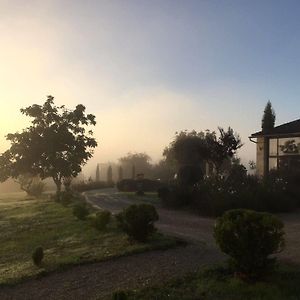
(27, 223)
(217, 284)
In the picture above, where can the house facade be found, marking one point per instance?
(278, 148)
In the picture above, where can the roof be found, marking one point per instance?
(287, 129)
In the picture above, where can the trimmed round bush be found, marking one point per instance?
(80, 211)
(101, 219)
(38, 255)
(138, 221)
(249, 238)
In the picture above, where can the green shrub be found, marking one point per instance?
(101, 219)
(215, 195)
(66, 197)
(119, 295)
(37, 256)
(80, 211)
(138, 221)
(176, 196)
(249, 238)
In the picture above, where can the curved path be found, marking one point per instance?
(173, 222)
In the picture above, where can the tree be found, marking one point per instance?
(133, 172)
(163, 170)
(120, 173)
(194, 148)
(97, 173)
(223, 148)
(109, 175)
(56, 144)
(268, 119)
(141, 161)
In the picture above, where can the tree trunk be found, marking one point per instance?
(58, 184)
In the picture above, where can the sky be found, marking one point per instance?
(147, 69)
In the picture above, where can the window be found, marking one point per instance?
(289, 146)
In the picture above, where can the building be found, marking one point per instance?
(279, 148)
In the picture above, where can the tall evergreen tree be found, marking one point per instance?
(268, 119)
(120, 173)
(97, 173)
(109, 174)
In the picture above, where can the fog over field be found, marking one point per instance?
(147, 70)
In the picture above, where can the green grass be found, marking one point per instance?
(28, 223)
(149, 197)
(217, 284)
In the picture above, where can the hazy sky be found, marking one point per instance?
(149, 68)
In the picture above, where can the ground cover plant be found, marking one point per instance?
(29, 223)
(218, 283)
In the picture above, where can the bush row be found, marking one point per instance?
(213, 196)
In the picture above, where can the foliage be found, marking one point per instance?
(36, 189)
(189, 175)
(56, 144)
(67, 181)
(138, 221)
(109, 175)
(65, 197)
(195, 148)
(119, 295)
(91, 185)
(120, 173)
(176, 195)
(80, 211)
(163, 192)
(130, 185)
(97, 173)
(268, 119)
(217, 283)
(38, 255)
(134, 163)
(101, 219)
(33, 186)
(214, 195)
(163, 170)
(249, 238)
